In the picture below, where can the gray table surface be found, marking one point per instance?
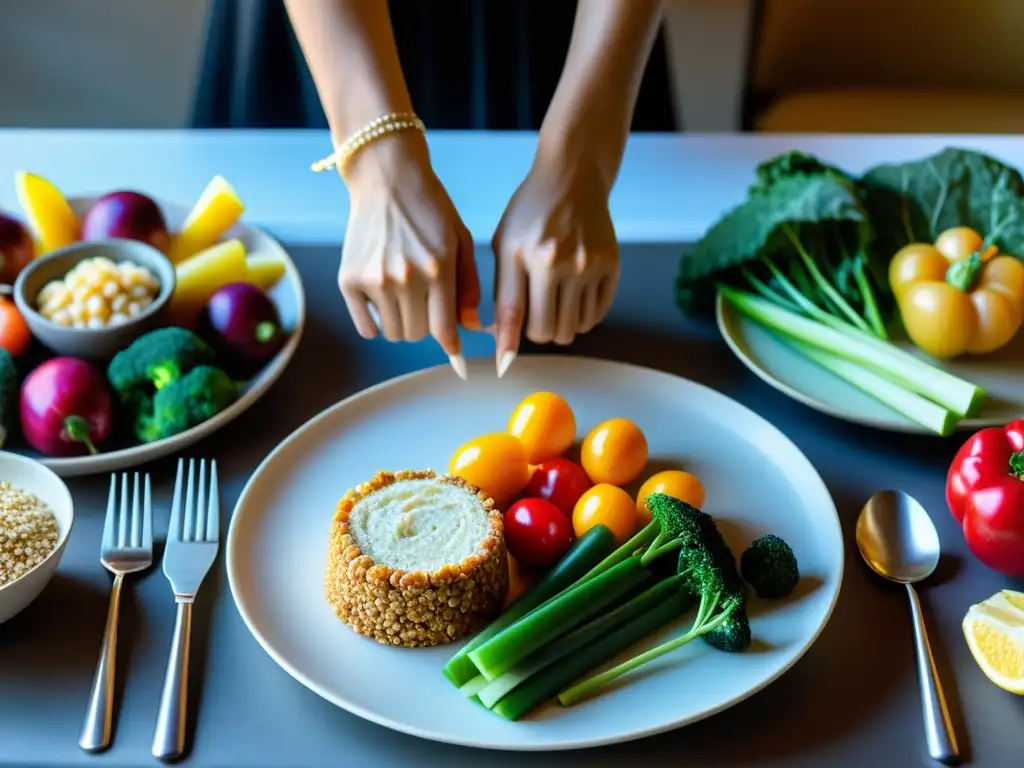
(851, 701)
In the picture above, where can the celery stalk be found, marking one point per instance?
(557, 617)
(579, 639)
(546, 684)
(473, 687)
(959, 396)
(913, 406)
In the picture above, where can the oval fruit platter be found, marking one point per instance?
(232, 325)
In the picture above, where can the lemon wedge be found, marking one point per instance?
(49, 215)
(994, 629)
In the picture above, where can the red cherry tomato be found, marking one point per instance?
(537, 532)
(559, 481)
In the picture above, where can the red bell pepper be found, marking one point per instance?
(985, 493)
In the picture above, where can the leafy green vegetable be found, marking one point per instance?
(800, 240)
(807, 257)
(916, 201)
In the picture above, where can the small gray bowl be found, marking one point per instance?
(92, 343)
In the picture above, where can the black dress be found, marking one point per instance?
(470, 64)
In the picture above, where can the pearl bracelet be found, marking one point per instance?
(396, 121)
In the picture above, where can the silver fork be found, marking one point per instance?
(127, 547)
(190, 551)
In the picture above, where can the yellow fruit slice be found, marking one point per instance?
(216, 211)
(264, 270)
(49, 215)
(200, 277)
(994, 629)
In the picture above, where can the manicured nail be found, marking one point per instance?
(459, 366)
(505, 363)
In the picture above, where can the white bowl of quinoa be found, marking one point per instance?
(36, 516)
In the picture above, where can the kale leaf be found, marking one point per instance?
(916, 201)
(781, 204)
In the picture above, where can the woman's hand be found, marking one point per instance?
(406, 250)
(557, 260)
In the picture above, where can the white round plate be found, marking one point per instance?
(1001, 374)
(290, 300)
(757, 482)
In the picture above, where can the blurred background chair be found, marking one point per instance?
(878, 66)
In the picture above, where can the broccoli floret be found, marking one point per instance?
(153, 361)
(199, 395)
(705, 567)
(770, 567)
(732, 635)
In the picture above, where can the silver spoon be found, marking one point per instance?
(898, 541)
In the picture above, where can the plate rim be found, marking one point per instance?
(136, 455)
(898, 424)
(230, 557)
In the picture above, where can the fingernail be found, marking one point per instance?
(459, 366)
(505, 363)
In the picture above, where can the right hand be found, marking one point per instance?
(406, 250)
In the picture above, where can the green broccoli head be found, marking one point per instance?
(678, 520)
(699, 570)
(733, 634)
(154, 360)
(770, 567)
(186, 402)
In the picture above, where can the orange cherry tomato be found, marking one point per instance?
(672, 482)
(495, 463)
(608, 505)
(14, 333)
(615, 452)
(546, 425)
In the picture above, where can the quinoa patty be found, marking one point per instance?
(415, 607)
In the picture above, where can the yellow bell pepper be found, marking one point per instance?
(957, 300)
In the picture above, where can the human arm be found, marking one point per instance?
(405, 250)
(555, 246)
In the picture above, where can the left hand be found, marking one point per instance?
(557, 259)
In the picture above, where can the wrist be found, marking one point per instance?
(583, 145)
(386, 160)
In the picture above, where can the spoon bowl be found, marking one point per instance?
(896, 538)
(898, 541)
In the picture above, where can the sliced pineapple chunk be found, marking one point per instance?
(201, 276)
(53, 223)
(994, 629)
(214, 213)
(264, 270)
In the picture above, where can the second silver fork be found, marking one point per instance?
(190, 550)
(127, 547)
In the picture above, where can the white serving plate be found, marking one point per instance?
(1001, 374)
(757, 482)
(287, 295)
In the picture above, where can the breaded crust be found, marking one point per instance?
(415, 608)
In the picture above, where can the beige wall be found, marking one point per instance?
(99, 63)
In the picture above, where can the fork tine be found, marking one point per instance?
(213, 506)
(174, 529)
(147, 516)
(202, 508)
(189, 532)
(122, 535)
(136, 526)
(109, 523)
